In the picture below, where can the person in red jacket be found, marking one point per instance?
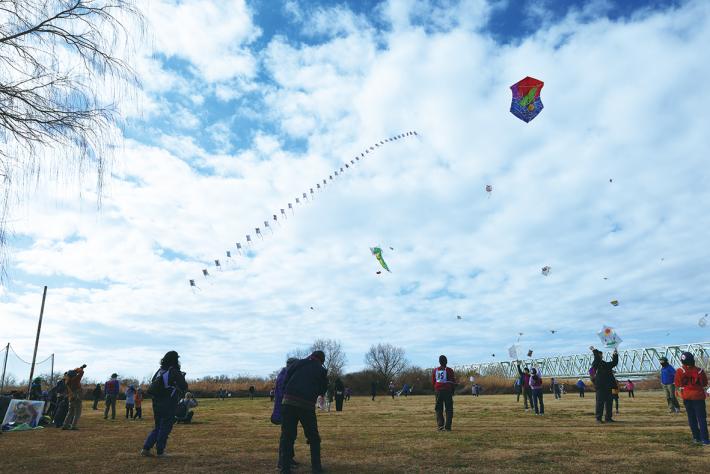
(444, 382)
(690, 381)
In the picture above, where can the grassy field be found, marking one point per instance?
(491, 434)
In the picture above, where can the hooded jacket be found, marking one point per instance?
(305, 381)
(524, 377)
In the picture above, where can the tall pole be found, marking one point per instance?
(39, 328)
(4, 366)
(51, 373)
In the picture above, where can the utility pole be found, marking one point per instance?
(51, 373)
(39, 328)
(4, 366)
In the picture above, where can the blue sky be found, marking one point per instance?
(246, 105)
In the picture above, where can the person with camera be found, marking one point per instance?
(73, 384)
(166, 387)
(183, 413)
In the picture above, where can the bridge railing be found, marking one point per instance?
(632, 362)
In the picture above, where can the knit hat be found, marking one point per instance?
(320, 355)
(687, 358)
(663, 360)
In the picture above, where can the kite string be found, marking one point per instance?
(362, 155)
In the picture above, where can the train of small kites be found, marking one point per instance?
(526, 104)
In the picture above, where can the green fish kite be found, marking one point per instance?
(377, 252)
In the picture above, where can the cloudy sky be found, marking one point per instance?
(245, 105)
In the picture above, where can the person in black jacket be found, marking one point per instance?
(339, 394)
(603, 383)
(97, 396)
(166, 388)
(306, 380)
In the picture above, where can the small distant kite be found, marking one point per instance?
(520, 334)
(377, 252)
(312, 308)
(205, 272)
(703, 321)
(614, 302)
(553, 331)
(611, 180)
(530, 352)
(546, 270)
(493, 355)
(193, 285)
(526, 103)
(392, 248)
(229, 254)
(489, 189)
(458, 316)
(239, 248)
(218, 265)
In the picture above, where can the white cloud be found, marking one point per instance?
(616, 106)
(212, 35)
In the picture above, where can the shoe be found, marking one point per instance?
(610, 421)
(65, 428)
(146, 453)
(697, 441)
(447, 429)
(440, 428)
(162, 455)
(599, 422)
(706, 443)
(74, 428)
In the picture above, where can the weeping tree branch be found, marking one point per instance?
(63, 68)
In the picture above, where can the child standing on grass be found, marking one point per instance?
(630, 388)
(691, 382)
(130, 401)
(581, 387)
(139, 404)
(615, 393)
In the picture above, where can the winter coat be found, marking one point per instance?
(306, 380)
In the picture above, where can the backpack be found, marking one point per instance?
(158, 388)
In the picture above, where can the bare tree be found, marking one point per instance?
(335, 358)
(387, 360)
(63, 66)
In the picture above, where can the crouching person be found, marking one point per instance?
(183, 413)
(306, 379)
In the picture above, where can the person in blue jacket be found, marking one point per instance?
(668, 382)
(581, 387)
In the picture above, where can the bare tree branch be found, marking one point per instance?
(387, 360)
(62, 69)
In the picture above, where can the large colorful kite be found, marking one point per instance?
(526, 103)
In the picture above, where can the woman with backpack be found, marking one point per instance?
(166, 388)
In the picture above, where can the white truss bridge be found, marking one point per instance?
(632, 362)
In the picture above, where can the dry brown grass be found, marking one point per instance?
(491, 434)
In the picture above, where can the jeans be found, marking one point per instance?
(558, 392)
(129, 410)
(631, 394)
(527, 395)
(581, 392)
(164, 416)
(96, 403)
(291, 416)
(697, 419)
(110, 403)
(444, 398)
(537, 402)
(671, 399)
(604, 402)
(338, 403)
(139, 413)
(72, 419)
(615, 399)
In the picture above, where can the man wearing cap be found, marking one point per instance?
(668, 382)
(111, 389)
(691, 382)
(305, 381)
(444, 382)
